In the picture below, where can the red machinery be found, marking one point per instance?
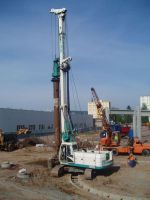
(125, 130)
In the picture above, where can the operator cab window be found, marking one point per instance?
(75, 147)
(103, 134)
(68, 151)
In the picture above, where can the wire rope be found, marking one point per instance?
(67, 44)
(73, 80)
(78, 101)
(73, 96)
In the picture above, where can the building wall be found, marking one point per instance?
(81, 119)
(37, 121)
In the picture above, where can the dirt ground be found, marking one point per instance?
(41, 185)
(121, 179)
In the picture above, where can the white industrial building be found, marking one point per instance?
(145, 100)
(38, 121)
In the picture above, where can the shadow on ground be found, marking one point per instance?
(107, 172)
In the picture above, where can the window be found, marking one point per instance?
(31, 127)
(41, 126)
(75, 147)
(103, 134)
(48, 127)
(20, 127)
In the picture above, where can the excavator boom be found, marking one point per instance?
(101, 111)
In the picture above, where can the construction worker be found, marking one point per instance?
(131, 160)
(116, 139)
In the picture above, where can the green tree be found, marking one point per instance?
(144, 106)
(129, 107)
(122, 118)
(117, 118)
(144, 118)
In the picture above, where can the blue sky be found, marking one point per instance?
(109, 41)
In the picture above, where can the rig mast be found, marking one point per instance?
(66, 125)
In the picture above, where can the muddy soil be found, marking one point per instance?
(121, 179)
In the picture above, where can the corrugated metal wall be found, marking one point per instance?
(38, 121)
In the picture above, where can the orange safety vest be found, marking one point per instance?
(131, 158)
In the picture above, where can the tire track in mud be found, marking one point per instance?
(79, 184)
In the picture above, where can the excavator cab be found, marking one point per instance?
(66, 152)
(104, 138)
(109, 139)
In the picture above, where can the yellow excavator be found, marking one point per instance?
(8, 142)
(23, 131)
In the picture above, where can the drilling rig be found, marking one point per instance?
(70, 157)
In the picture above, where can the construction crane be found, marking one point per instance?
(106, 134)
(100, 110)
(69, 156)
